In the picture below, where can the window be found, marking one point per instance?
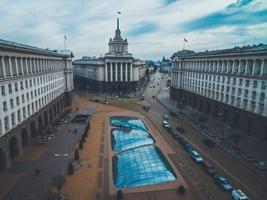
(19, 115)
(10, 88)
(246, 93)
(247, 83)
(17, 100)
(24, 112)
(3, 91)
(240, 81)
(11, 103)
(4, 106)
(255, 84)
(26, 83)
(23, 98)
(263, 85)
(13, 119)
(234, 81)
(16, 87)
(21, 85)
(6, 121)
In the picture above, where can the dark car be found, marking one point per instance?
(209, 142)
(208, 168)
(188, 147)
(172, 113)
(223, 183)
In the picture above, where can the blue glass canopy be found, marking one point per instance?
(123, 139)
(128, 122)
(141, 166)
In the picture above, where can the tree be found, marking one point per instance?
(70, 168)
(181, 190)
(76, 155)
(59, 182)
(119, 195)
(80, 144)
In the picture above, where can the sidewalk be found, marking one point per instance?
(248, 144)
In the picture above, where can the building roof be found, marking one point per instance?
(89, 60)
(235, 50)
(28, 48)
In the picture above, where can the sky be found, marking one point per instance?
(154, 28)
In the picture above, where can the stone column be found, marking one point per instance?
(126, 72)
(254, 66)
(131, 72)
(239, 67)
(246, 67)
(116, 71)
(4, 68)
(111, 71)
(106, 71)
(10, 67)
(262, 67)
(121, 73)
(16, 65)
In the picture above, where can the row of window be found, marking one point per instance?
(27, 84)
(31, 108)
(12, 66)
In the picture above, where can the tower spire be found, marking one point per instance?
(118, 23)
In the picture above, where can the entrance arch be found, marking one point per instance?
(24, 138)
(2, 159)
(33, 130)
(45, 118)
(40, 124)
(13, 147)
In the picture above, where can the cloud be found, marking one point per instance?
(154, 28)
(142, 29)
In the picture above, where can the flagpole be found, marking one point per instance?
(65, 42)
(183, 45)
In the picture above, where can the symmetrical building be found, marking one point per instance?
(35, 87)
(230, 84)
(117, 71)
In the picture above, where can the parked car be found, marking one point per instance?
(165, 124)
(165, 116)
(208, 168)
(172, 113)
(209, 142)
(212, 134)
(223, 183)
(93, 98)
(196, 156)
(238, 195)
(188, 147)
(176, 136)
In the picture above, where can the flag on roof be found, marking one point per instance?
(119, 12)
(185, 40)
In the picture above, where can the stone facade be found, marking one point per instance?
(36, 86)
(116, 72)
(230, 84)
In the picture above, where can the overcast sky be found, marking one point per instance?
(154, 28)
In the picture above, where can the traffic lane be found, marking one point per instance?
(241, 176)
(200, 175)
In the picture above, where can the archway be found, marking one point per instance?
(24, 138)
(13, 147)
(58, 107)
(50, 114)
(40, 124)
(45, 118)
(2, 159)
(33, 130)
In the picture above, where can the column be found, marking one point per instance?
(246, 67)
(239, 67)
(10, 67)
(4, 68)
(116, 71)
(131, 72)
(126, 70)
(262, 67)
(254, 66)
(121, 72)
(111, 71)
(106, 72)
(16, 65)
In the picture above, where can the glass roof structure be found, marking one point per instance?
(128, 122)
(123, 139)
(141, 166)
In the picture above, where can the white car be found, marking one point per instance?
(196, 156)
(165, 116)
(165, 124)
(239, 195)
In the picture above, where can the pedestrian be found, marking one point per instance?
(37, 172)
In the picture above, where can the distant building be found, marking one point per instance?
(118, 71)
(35, 87)
(230, 84)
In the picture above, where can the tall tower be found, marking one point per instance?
(118, 45)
